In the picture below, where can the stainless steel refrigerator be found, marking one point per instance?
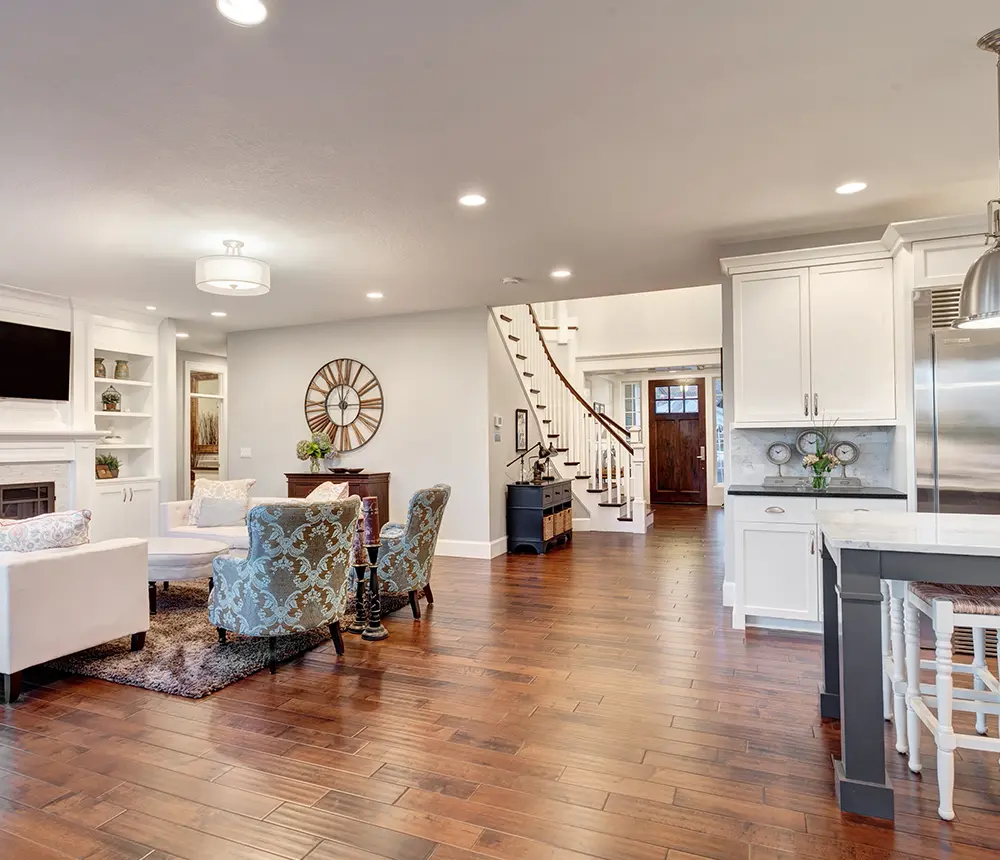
(957, 405)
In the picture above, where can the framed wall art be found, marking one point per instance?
(520, 430)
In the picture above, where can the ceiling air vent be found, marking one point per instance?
(944, 306)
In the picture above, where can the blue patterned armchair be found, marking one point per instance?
(404, 563)
(295, 575)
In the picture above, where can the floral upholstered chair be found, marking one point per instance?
(295, 575)
(404, 563)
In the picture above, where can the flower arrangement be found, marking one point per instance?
(820, 463)
(318, 448)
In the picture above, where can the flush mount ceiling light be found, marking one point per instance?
(560, 274)
(232, 274)
(472, 200)
(851, 187)
(150, 307)
(979, 305)
(374, 295)
(181, 334)
(243, 13)
(218, 313)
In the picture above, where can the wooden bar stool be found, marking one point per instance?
(977, 607)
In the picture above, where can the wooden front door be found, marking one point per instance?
(677, 442)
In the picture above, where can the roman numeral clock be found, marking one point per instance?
(344, 400)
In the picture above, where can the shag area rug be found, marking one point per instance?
(183, 656)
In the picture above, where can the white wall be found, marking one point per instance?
(433, 372)
(680, 320)
(505, 395)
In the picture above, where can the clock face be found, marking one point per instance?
(846, 452)
(344, 400)
(779, 453)
(810, 442)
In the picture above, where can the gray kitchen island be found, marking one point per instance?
(860, 549)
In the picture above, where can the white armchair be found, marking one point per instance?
(174, 523)
(59, 601)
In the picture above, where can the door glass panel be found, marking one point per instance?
(662, 392)
(662, 407)
(690, 390)
(690, 405)
(676, 391)
(676, 405)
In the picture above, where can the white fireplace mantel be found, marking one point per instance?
(44, 446)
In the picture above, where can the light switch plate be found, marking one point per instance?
(244, 453)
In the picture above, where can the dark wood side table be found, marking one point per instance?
(301, 484)
(539, 516)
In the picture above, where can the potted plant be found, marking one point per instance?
(110, 463)
(111, 399)
(315, 450)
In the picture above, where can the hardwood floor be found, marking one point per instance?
(590, 703)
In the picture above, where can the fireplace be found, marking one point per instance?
(20, 501)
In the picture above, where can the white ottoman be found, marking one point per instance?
(177, 559)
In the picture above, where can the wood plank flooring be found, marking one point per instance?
(593, 703)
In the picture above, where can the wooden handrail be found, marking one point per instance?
(606, 422)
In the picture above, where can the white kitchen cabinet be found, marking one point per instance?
(124, 509)
(851, 341)
(780, 575)
(770, 338)
(814, 344)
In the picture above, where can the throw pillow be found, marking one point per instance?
(48, 531)
(330, 492)
(222, 512)
(206, 489)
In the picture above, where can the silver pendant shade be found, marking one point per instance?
(979, 306)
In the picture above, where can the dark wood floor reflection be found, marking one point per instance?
(590, 703)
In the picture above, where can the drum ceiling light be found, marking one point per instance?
(232, 274)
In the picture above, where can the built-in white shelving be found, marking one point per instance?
(120, 447)
(107, 380)
(103, 414)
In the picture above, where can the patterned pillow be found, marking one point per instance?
(4, 539)
(330, 492)
(49, 531)
(206, 489)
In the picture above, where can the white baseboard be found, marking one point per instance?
(729, 594)
(581, 524)
(788, 624)
(469, 548)
(498, 547)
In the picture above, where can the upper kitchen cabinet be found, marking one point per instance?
(771, 340)
(814, 344)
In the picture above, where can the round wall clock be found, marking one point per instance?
(344, 400)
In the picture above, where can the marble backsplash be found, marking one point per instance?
(748, 463)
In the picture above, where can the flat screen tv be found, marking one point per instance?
(34, 362)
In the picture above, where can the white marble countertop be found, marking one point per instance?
(953, 534)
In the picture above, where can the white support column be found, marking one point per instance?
(639, 466)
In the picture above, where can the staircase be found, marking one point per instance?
(593, 450)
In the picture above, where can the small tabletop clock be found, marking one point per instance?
(344, 400)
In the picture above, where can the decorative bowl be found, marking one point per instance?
(355, 471)
(339, 470)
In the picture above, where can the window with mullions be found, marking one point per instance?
(676, 398)
(633, 405)
(719, 433)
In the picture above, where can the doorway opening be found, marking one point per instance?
(677, 453)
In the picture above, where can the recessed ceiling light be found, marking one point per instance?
(150, 307)
(244, 13)
(560, 273)
(182, 334)
(851, 187)
(218, 313)
(374, 295)
(472, 200)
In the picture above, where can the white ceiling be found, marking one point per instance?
(626, 139)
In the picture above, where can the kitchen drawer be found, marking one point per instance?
(860, 504)
(773, 509)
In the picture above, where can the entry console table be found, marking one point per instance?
(859, 550)
(539, 516)
(301, 484)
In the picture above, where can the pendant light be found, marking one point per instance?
(232, 274)
(979, 306)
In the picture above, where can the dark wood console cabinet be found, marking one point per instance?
(539, 516)
(301, 484)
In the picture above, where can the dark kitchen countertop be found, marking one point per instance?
(831, 492)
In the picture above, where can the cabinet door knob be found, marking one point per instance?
(805, 405)
(774, 509)
(812, 542)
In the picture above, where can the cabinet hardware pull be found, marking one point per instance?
(805, 405)
(862, 509)
(130, 494)
(812, 543)
(774, 509)
(815, 404)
